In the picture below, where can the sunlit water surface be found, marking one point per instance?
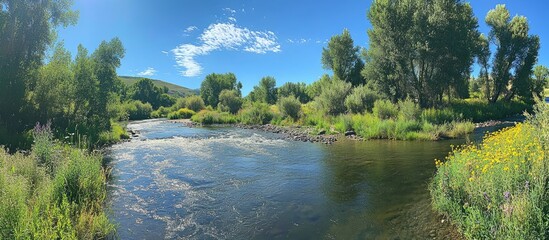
(175, 182)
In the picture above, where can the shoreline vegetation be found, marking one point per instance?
(498, 189)
(415, 85)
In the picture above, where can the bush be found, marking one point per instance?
(183, 113)
(480, 111)
(290, 107)
(161, 112)
(213, 117)
(229, 101)
(256, 113)
(385, 109)
(332, 98)
(497, 190)
(179, 104)
(361, 99)
(194, 103)
(409, 110)
(137, 110)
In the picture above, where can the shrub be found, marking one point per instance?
(385, 109)
(194, 103)
(256, 113)
(361, 99)
(183, 113)
(332, 98)
(229, 101)
(409, 110)
(179, 104)
(161, 112)
(137, 110)
(290, 107)
(213, 117)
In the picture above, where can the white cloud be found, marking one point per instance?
(147, 72)
(232, 19)
(165, 52)
(229, 10)
(223, 36)
(299, 41)
(190, 29)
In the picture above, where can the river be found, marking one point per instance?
(176, 182)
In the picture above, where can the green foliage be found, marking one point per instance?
(498, 189)
(298, 90)
(290, 107)
(409, 110)
(315, 89)
(213, 84)
(342, 57)
(332, 98)
(361, 99)
(265, 91)
(385, 109)
(173, 90)
(438, 116)
(145, 91)
(479, 111)
(213, 117)
(26, 30)
(540, 80)
(516, 54)
(66, 203)
(421, 49)
(136, 110)
(161, 112)
(194, 103)
(183, 113)
(256, 113)
(230, 101)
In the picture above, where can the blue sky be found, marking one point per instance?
(183, 41)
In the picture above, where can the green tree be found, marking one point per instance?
(145, 91)
(53, 92)
(298, 90)
(315, 89)
(421, 48)
(214, 83)
(26, 29)
(515, 56)
(540, 80)
(106, 59)
(265, 91)
(230, 101)
(343, 58)
(332, 98)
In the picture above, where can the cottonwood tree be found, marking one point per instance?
(421, 49)
(26, 29)
(515, 56)
(214, 83)
(342, 57)
(265, 91)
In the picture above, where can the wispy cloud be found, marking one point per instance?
(190, 29)
(223, 36)
(229, 10)
(299, 41)
(147, 72)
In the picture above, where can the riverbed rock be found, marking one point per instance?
(322, 132)
(350, 133)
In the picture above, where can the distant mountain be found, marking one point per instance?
(174, 90)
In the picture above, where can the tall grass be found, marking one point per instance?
(41, 200)
(498, 189)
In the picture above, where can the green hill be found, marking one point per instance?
(174, 90)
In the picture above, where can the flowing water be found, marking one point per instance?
(175, 182)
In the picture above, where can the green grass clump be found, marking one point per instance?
(256, 113)
(479, 111)
(183, 113)
(213, 117)
(55, 192)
